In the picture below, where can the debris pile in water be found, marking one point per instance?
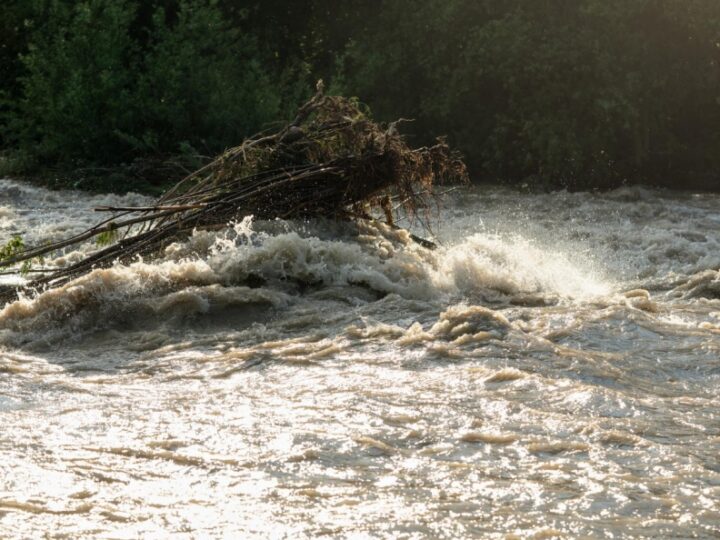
(330, 161)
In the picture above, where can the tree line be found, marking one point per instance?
(572, 93)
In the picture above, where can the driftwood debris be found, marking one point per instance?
(330, 161)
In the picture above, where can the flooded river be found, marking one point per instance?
(551, 371)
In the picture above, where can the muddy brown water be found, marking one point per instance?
(552, 370)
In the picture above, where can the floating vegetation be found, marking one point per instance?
(331, 161)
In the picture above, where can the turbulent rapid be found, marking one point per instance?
(550, 370)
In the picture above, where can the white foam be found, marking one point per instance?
(552, 247)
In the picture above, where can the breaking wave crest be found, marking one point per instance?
(275, 264)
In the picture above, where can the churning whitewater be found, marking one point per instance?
(550, 370)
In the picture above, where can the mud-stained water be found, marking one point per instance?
(552, 370)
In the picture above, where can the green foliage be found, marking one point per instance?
(25, 268)
(103, 82)
(77, 82)
(15, 246)
(13, 41)
(12, 248)
(107, 237)
(580, 93)
(577, 93)
(203, 82)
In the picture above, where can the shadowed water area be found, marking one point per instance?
(551, 370)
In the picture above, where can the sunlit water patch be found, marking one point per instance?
(550, 370)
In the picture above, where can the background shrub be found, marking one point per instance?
(575, 93)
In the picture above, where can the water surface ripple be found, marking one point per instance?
(551, 370)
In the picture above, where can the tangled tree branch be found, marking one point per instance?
(330, 161)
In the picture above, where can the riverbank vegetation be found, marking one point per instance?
(132, 94)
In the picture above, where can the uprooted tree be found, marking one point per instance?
(330, 161)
